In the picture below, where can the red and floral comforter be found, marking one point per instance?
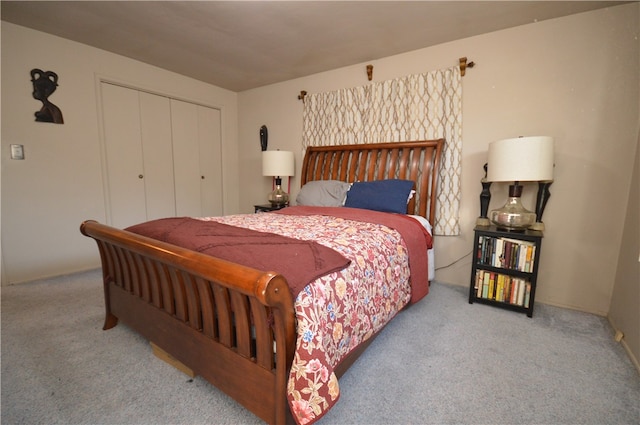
(338, 311)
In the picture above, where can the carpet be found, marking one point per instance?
(441, 361)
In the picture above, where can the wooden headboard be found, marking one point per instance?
(418, 161)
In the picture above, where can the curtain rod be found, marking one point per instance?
(463, 68)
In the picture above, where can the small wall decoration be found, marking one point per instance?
(44, 84)
(264, 138)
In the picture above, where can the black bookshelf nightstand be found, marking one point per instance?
(268, 207)
(505, 268)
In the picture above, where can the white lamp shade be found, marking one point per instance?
(278, 163)
(521, 159)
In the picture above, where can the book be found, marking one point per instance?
(483, 256)
(522, 258)
(492, 286)
(531, 255)
(527, 294)
(521, 291)
(508, 247)
(508, 288)
(485, 285)
(498, 257)
(514, 291)
(492, 251)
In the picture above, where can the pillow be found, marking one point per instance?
(380, 195)
(323, 193)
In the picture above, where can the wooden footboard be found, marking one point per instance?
(230, 324)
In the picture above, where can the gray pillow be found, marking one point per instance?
(323, 193)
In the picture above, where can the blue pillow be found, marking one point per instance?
(380, 195)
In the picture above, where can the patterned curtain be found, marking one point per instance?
(415, 107)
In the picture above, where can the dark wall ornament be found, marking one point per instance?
(44, 84)
(264, 138)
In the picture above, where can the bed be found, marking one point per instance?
(242, 328)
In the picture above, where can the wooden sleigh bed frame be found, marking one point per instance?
(230, 324)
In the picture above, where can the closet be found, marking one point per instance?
(162, 156)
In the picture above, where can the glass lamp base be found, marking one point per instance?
(513, 215)
(278, 197)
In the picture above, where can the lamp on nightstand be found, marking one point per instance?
(278, 164)
(518, 160)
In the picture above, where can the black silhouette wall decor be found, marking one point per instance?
(44, 84)
(264, 138)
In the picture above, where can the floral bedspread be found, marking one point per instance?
(338, 311)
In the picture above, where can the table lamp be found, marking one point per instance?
(518, 160)
(278, 164)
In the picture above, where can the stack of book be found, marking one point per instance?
(500, 287)
(506, 253)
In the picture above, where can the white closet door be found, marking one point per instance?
(197, 159)
(163, 157)
(157, 153)
(125, 173)
(210, 146)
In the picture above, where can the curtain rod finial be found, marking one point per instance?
(302, 95)
(464, 65)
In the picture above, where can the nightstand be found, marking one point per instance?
(268, 207)
(504, 271)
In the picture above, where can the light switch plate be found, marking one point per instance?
(17, 151)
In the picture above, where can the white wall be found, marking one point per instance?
(59, 184)
(574, 78)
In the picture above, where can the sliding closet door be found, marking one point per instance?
(157, 155)
(123, 149)
(139, 165)
(197, 159)
(210, 146)
(163, 157)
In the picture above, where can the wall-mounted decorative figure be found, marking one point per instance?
(264, 138)
(44, 84)
(485, 198)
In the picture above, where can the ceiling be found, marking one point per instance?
(240, 45)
